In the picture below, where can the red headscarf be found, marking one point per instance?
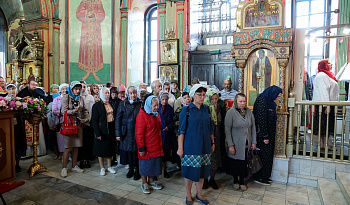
(324, 67)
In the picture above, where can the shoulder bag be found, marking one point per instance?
(68, 129)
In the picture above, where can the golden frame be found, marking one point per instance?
(168, 72)
(251, 91)
(242, 9)
(169, 51)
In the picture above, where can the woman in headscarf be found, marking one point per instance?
(149, 143)
(125, 131)
(196, 142)
(265, 121)
(184, 101)
(57, 111)
(217, 115)
(51, 121)
(325, 89)
(166, 112)
(103, 123)
(73, 103)
(239, 119)
(114, 102)
(85, 152)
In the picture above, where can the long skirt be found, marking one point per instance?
(85, 152)
(266, 155)
(152, 167)
(323, 121)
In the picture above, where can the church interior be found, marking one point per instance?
(252, 44)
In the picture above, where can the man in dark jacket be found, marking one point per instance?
(29, 91)
(156, 88)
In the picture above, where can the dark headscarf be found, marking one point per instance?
(270, 94)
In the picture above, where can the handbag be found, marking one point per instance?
(70, 128)
(254, 163)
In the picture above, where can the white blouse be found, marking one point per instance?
(325, 88)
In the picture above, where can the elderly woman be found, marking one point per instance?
(325, 89)
(102, 121)
(218, 116)
(73, 103)
(149, 143)
(265, 121)
(125, 131)
(239, 119)
(166, 112)
(85, 152)
(196, 143)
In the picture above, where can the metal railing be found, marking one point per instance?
(336, 144)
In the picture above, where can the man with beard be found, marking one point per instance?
(29, 91)
(227, 93)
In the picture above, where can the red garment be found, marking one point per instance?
(148, 134)
(91, 14)
(324, 67)
(304, 79)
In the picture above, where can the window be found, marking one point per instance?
(312, 14)
(213, 22)
(151, 47)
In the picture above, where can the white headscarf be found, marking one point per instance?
(194, 89)
(104, 90)
(63, 85)
(13, 85)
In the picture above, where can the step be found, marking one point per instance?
(303, 180)
(330, 192)
(343, 180)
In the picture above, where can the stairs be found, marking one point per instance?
(336, 192)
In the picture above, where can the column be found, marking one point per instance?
(240, 64)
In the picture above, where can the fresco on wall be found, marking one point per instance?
(31, 8)
(262, 13)
(90, 40)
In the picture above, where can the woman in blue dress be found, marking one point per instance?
(196, 142)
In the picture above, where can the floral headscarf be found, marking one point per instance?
(213, 108)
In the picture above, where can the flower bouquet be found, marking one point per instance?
(34, 107)
(11, 103)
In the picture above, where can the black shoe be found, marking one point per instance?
(166, 174)
(18, 169)
(82, 164)
(130, 173)
(155, 178)
(213, 184)
(87, 164)
(205, 184)
(263, 182)
(137, 176)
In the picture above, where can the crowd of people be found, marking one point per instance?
(192, 129)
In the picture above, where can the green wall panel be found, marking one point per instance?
(343, 47)
(123, 50)
(180, 37)
(57, 60)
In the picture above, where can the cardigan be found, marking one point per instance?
(238, 130)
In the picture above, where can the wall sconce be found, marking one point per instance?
(50, 54)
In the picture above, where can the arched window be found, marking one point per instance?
(151, 47)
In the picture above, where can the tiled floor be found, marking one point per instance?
(91, 188)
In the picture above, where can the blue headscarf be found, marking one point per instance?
(54, 95)
(148, 105)
(70, 89)
(271, 93)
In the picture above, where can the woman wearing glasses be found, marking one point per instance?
(196, 143)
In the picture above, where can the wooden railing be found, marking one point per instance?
(306, 143)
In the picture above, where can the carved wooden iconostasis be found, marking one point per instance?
(261, 49)
(28, 58)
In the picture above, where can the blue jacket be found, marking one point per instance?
(167, 121)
